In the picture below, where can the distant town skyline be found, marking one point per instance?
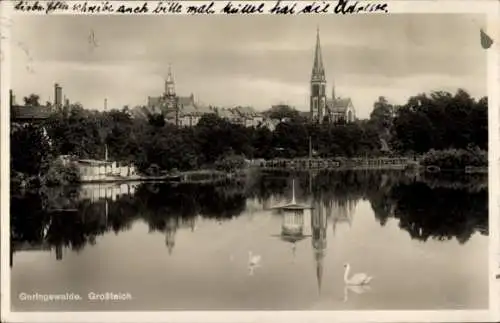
(254, 61)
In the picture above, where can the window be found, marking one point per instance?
(315, 90)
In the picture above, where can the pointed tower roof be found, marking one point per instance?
(170, 78)
(319, 255)
(318, 70)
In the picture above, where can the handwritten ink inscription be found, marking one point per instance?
(133, 9)
(346, 6)
(203, 9)
(56, 6)
(243, 9)
(278, 7)
(316, 8)
(169, 7)
(85, 7)
(29, 6)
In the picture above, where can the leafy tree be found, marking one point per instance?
(282, 111)
(382, 114)
(440, 121)
(32, 100)
(30, 151)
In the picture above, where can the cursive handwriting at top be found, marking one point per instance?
(85, 7)
(229, 8)
(346, 6)
(278, 7)
(41, 6)
(168, 7)
(316, 8)
(201, 9)
(29, 6)
(56, 6)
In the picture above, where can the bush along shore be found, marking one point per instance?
(56, 174)
(470, 160)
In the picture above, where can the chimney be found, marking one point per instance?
(105, 104)
(58, 96)
(12, 98)
(66, 102)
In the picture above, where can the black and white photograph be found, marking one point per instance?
(248, 163)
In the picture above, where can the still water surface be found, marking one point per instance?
(187, 247)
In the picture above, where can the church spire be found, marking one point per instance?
(170, 78)
(319, 255)
(318, 71)
(169, 82)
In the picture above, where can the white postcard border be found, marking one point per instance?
(490, 7)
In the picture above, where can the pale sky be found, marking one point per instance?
(254, 60)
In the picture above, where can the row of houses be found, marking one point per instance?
(185, 111)
(179, 110)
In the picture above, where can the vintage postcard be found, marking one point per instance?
(228, 161)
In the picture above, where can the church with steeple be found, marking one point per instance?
(178, 110)
(322, 109)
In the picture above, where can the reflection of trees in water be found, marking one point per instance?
(38, 218)
(269, 186)
(440, 213)
(28, 218)
(423, 207)
(427, 206)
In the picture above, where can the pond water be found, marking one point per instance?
(186, 247)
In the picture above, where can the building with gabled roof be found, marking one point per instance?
(341, 109)
(29, 114)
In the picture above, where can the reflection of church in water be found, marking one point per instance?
(319, 225)
(172, 225)
(321, 213)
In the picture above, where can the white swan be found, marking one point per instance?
(253, 260)
(356, 279)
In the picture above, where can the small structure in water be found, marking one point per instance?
(101, 170)
(292, 229)
(293, 205)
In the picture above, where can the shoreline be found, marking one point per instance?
(205, 176)
(218, 176)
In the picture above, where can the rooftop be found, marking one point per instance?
(24, 113)
(339, 104)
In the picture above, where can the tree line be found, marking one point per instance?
(435, 121)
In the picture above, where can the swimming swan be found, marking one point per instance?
(356, 279)
(253, 260)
